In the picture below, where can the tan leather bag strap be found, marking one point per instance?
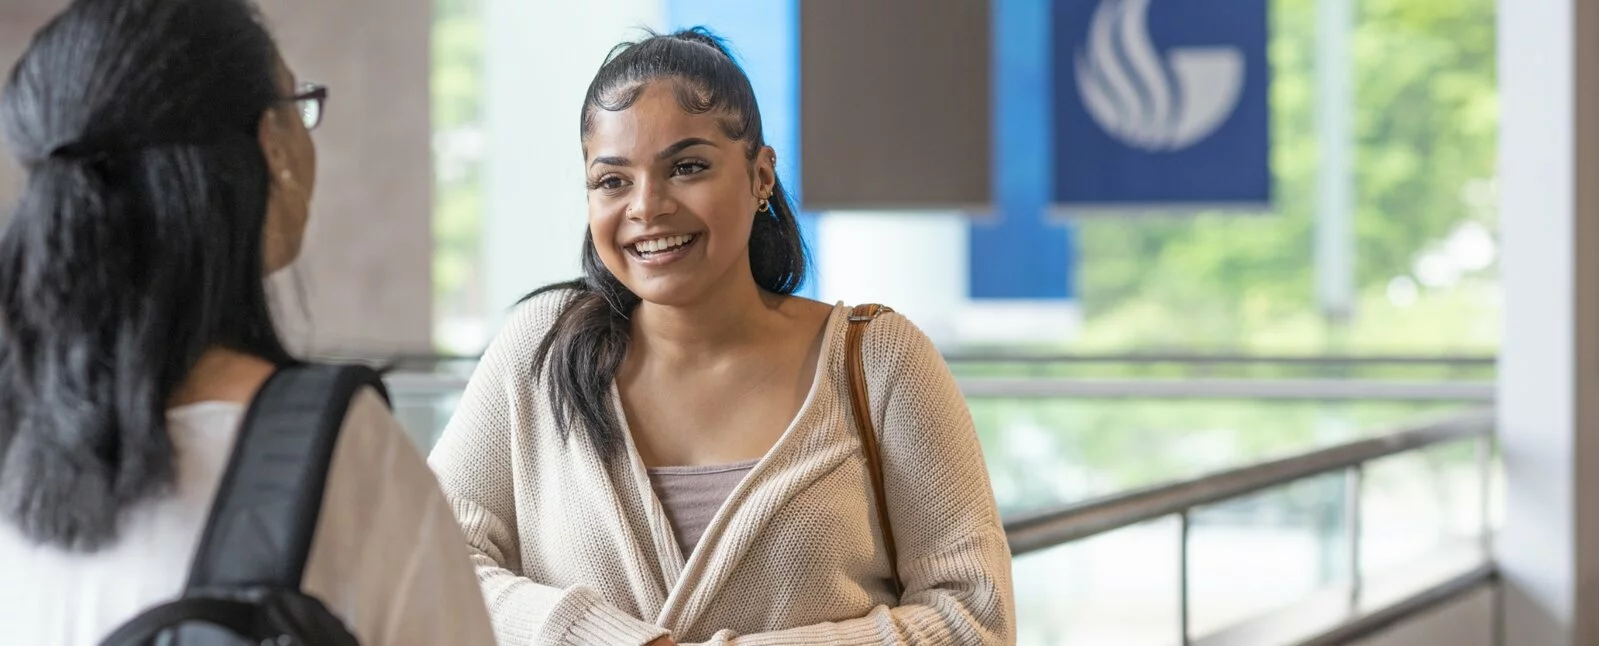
(861, 406)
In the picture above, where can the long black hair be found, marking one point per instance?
(585, 347)
(135, 246)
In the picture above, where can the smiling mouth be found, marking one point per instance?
(661, 246)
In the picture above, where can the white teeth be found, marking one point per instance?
(662, 244)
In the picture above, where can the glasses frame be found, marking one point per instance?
(311, 98)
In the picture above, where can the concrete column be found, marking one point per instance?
(540, 57)
(18, 20)
(1549, 360)
(367, 272)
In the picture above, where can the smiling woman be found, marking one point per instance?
(683, 156)
(674, 202)
(664, 449)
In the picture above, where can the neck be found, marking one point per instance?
(222, 374)
(729, 317)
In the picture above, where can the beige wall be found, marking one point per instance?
(366, 276)
(18, 20)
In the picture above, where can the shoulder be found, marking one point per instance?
(374, 446)
(369, 413)
(378, 488)
(535, 315)
(910, 389)
(893, 341)
(897, 356)
(378, 483)
(375, 465)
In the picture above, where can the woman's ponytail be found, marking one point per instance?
(135, 247)
(82, 434)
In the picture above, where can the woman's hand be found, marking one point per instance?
(664, 640)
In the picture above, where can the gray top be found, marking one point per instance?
(692, 495)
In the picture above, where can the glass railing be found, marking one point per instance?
(1281, 550)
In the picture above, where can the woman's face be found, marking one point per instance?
(291, 158)
(672, 199)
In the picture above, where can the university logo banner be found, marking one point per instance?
(1161, 105)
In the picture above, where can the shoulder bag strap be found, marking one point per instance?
(861, 405)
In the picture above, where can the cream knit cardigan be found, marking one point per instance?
(574, 549)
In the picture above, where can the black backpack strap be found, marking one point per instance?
(259, 616)
(267, 506)
(238, 617)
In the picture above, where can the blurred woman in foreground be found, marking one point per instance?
(170, 170)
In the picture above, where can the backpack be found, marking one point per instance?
(244, 584)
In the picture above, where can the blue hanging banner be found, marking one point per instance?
(1161, 105)
(1020, 253)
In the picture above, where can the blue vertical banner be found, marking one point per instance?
(764, 37)
(1020, 254)
(1161, 104)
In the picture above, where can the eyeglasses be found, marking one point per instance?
(310, 99)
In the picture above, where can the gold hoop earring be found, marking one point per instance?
(765, 206)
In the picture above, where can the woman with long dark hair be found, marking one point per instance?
(665, 449)
(170, 170)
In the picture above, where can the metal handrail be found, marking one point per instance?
(433, 384)
(1201, 358)
(1033, 358)
(1042, 529)
(424, 384)
(1257, 389)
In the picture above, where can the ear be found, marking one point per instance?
(270, 134)
(765, 172)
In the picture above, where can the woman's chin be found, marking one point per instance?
(669, 295)
(685, 286)
(677, 290)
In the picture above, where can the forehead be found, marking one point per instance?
(654, 121)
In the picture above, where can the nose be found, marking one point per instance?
(651, 199)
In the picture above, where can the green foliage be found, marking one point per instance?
(457, 105)
(457, 70)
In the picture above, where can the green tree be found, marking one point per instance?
(457, 113)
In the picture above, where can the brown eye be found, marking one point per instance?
(607, 183)
(688, 168)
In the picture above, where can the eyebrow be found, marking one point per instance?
(665, 153)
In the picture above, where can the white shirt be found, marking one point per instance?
(388, 556)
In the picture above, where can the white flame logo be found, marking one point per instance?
(1147, 102)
